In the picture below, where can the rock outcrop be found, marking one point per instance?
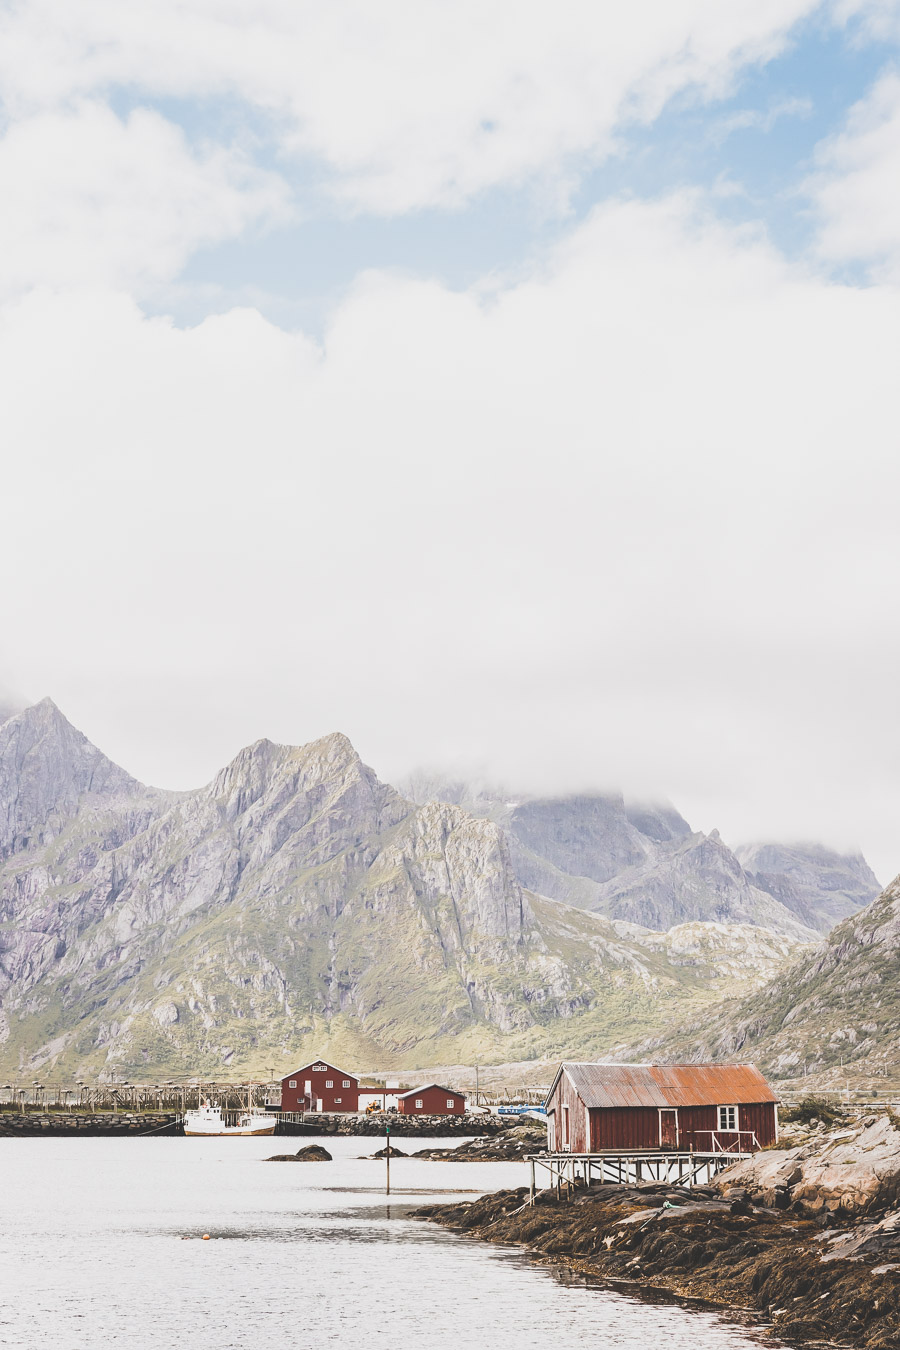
(851, 1170)
(311, 1153)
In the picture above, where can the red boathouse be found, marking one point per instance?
(320, 1087)
(432, 1100)
(701, 1108)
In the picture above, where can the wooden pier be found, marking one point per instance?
(571, 1171)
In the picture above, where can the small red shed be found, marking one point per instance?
(320, 1087)
(432, 1100)
(701, 1108)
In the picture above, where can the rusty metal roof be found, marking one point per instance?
(611, 1085)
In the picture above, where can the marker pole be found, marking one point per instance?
(387, 1156)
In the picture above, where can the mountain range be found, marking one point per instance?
(643, 863)
(297, 905)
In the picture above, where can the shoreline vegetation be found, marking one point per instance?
(803, 1240)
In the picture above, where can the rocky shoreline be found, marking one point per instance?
(513, 1143)
(64, 1124)
(805, 1241)
(400, 1126)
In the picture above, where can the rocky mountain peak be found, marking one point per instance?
(820, 886)
(265, 767)
(46, 767)
(642, 863)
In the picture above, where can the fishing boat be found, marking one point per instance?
(212, 1121)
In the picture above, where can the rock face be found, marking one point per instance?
(298, 906)
(834, 1013)
(696, 877)
(47, 770)
(848, 1171)
(819, 886)
(644, 864)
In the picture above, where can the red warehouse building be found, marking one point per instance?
(320, 1087)
(704, 1108)
(432, 1100)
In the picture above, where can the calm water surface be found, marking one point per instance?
(92, 1255)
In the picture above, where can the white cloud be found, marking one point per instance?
(627, 521)
(879, 19)
(856, 190)
(91, 199)
(411, 103)
(760, 119)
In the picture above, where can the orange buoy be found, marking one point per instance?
(206, 1237)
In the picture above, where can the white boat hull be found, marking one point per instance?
(207, 1123)
(226, 1132)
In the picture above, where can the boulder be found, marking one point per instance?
(849, 1171)
(312, 1153)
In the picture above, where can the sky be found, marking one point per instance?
(513, 387)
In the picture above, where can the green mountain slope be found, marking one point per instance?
(833, 1014)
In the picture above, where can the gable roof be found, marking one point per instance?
(425, 1086)
(295, 1073)
(611, 1085)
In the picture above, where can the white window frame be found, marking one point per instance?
(337, 1101)
(722, 1116)
(292, 1083)
(346, 1083)
(329, 1082)
(450, 1103)
(419, 1103)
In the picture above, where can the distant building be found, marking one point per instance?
(320, 1087)
(432, 1100)
(704, 1108)
(383, 1096)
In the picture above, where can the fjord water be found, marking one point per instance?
(92, 1253)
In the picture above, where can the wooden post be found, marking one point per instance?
(531, 1187)
(387, 1157)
